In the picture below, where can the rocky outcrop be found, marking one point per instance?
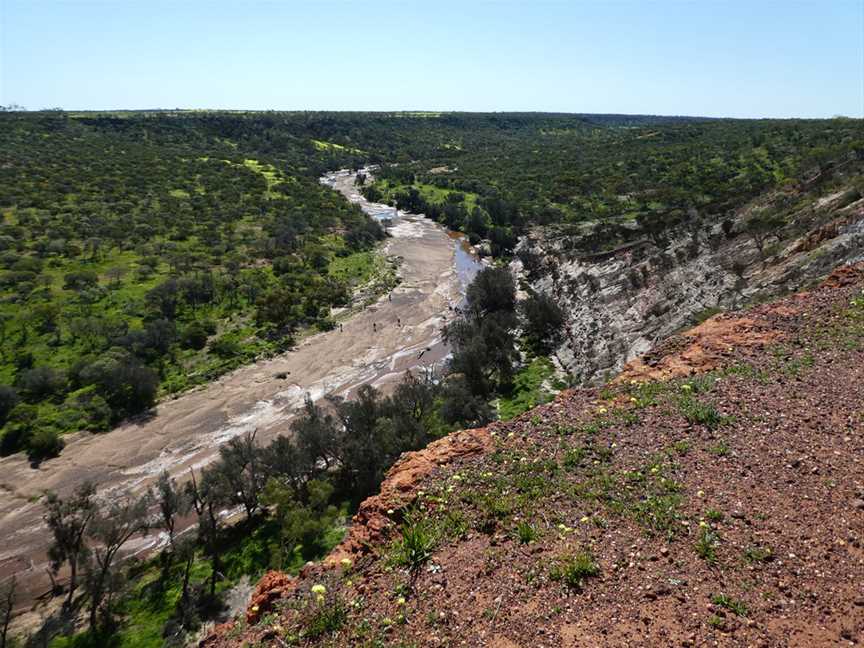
(374, 520)
(784, 461)
(703, 348)
(272, 586)
(619, 305)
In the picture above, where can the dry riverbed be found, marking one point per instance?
(399, 332)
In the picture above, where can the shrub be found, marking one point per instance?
(225, 348)
(326, 617)
(699, 413)
(416, 543)
(194, 336)
(18, 429)
(714, 515)
(706, 545)
(86, 409)
(758, 553)
(526, 532)
(44, 443)
(573, 570)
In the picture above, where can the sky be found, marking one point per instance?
(706, 57)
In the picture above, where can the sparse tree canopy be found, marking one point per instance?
(544, 322)
(69, 521)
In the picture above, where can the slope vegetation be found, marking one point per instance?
(712, 494)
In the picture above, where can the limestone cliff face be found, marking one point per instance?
(620, 304)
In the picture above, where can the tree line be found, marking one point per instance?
(335, 451)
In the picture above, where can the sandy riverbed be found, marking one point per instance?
(186, 432)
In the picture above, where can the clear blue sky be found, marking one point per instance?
(737, 59)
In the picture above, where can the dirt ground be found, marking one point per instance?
(187, 432)
(718, 509)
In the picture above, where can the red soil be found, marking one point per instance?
(743, 530)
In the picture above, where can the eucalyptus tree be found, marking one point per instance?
(69, 520)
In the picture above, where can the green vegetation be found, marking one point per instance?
(526, 532)
(574, 569)
(707, 542)
(142, 253)
(608, 178)
(327, 617)
(118, 285)
(293, 493)
(528, 389)
(414, 547)
(699, 412)
(735, 606)
(758, 554)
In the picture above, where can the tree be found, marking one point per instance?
(762, 226)
(111, 528)
(492, 290)
(115, 274)
(205, 501)
(7, 603)
(165, 298)
(127, 386)
(302, 526)
(285, 462)
(656, 224)
(239, 476)
(461, 407)
(80, 280)
(484, 350)
(316, 434)
(544, 322)
(365, 440)
(280, 308)
(172, 501)
(68, 520)
(8, 400)
(194, 336)
(41, 382)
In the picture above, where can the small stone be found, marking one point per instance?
(858, 504)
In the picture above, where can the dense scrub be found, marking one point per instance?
(609, 179)
(145, 254)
